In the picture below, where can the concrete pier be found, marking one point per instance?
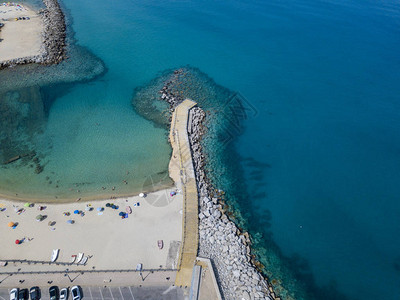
(182, 172)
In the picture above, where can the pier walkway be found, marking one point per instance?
(182, 172)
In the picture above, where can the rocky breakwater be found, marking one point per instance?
(220, 239)
(53, 50)
(54, 34)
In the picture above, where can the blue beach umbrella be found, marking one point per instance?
(70, 221)
(100, 209)
(121, 214)
(76, 212)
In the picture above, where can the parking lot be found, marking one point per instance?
(117, 293)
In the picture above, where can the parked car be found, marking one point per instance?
(64, 294)
(76, 293)
(34, 292)
(23, 294)
(54, 293)
(14, 294)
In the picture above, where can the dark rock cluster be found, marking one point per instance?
(54, 33)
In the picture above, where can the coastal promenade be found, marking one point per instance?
(182, 172)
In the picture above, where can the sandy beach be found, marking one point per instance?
(21, 34)
(108, 241)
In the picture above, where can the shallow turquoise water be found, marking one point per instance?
(320, 158)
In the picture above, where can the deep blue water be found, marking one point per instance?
(321, 155)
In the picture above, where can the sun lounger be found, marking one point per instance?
(54, 255)
(84, 260)
(79, 258)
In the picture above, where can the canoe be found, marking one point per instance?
(160, 244)
(54, 255)
(79, 258)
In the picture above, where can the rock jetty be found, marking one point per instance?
(220, 239)
(54, 38)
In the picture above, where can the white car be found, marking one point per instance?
(76, 293)
(14, 294)
(64, 294)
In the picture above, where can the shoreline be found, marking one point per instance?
(97, 197)
(53, 34)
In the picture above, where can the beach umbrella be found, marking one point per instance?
(39, 217)
(76, 212)
(70, 221)
(11, 224)
(108, 205)
(17, 242)
(141, 195)
(100, 209)
(27, 204)
(121, 214)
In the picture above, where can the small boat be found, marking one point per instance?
(73, 258)
(84, 260)
(160, 244)
(54, 255)
(3, 263)
(139, 267)
(128, 209)
(79, 258)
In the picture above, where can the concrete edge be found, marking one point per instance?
(214, 279)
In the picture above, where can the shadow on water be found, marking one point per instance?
(226, 115)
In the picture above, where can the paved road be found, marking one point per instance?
(118, 293)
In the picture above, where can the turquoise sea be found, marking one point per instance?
(312, 165)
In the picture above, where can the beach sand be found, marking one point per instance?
(19, 38)
(109, 241)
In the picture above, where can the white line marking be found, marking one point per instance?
(121, 293)
(90, 291)
(101, 293)
(111, 293)
(168, 290)
(133, 298)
